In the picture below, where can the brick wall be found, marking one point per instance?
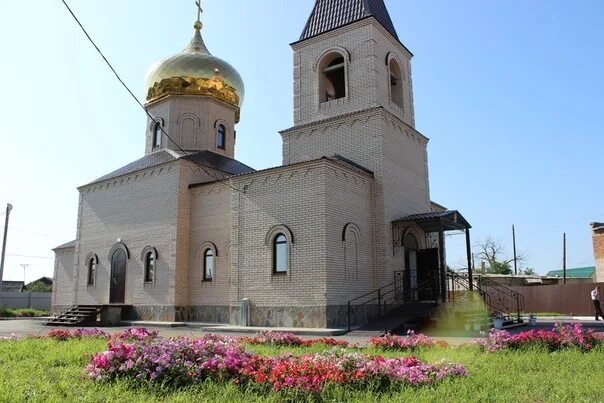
(62, 290)
(192, 122)
(365, 46)
(211, 226)
(598, 243)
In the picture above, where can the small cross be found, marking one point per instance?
(199, 9)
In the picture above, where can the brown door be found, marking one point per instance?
(427, 274)
(117, 289)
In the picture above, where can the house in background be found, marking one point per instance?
(597, 229)
(12, 286)
(577, 275)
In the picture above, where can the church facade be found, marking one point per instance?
(188, 233)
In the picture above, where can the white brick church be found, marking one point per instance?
(187, 232)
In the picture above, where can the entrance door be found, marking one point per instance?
(427, 274)
(411, 246)
(411, 273)
(117, 288)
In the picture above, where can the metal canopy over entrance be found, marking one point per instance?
(437, 222)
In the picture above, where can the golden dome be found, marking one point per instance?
(194, 71)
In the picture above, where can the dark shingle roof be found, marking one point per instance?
(204, 158)
(331, 14)
(219, 162)
(66, 245)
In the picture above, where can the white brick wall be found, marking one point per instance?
(192, 122)
(62, 291)
(366, 47)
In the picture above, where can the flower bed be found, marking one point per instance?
(290, 340)
(312, 372)
(411, 342)
(64, 334)
(181, 361)
(561, 336)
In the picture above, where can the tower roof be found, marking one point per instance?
(331, 14)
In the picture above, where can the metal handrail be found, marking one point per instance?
(380, 295)
(487, 297)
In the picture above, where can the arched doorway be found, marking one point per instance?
(117, 287)
(411, 247)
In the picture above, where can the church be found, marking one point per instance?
(188, 233)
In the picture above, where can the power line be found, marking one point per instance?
(224, 180)
(28, 256)
(34, 233)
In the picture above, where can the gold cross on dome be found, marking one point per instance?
(199, 9)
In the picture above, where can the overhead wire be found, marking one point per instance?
(226, 181)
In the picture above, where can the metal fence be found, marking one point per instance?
(569, 299)
(23, 300)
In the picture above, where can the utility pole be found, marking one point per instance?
(24, 266)
(514, 242)
(564, 257)
(9, 207)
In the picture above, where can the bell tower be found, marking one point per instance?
(349, 58)
(353, 100)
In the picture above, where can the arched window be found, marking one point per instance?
(91, 265)
(280, 254)
(208, 265)
(221, 136)
(157, 134)
(396, 84)
(350, 237)
(333, 77)
(149, 267)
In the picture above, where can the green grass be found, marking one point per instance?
(51, 371)
(13, 313)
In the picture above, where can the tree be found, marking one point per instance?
(492, 251)
(529, 271)
(39, 286)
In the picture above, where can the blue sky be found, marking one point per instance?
(511, 95)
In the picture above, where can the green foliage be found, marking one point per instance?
(51, 371)
(7, 313)
(21, 313)
(500, 268)
(39, 286)
(529, 271)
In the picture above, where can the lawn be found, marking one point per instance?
(51, 371)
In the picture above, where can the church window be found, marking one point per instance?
(157, 134)
(396, 84)
(333, 77)
(150, 267)
(208, 265)
(91, 265)
(221, 136)
(351, 245)
(280, 254)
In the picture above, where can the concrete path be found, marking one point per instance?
(25, 327)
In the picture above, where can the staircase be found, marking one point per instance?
(390, 307)
(498, 298)
(77, 316)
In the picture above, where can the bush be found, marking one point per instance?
(21, 313)
(7, 313)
